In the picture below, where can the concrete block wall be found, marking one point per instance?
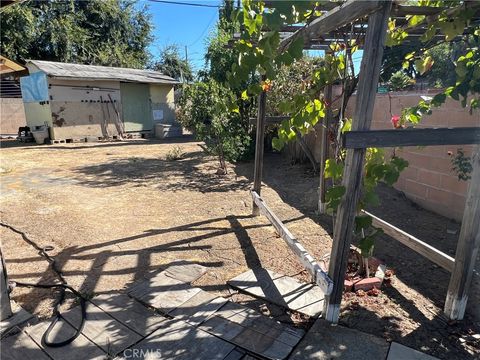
(429, 179)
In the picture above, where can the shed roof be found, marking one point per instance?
(94, 72)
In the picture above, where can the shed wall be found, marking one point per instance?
(77, 109)
(163, 103)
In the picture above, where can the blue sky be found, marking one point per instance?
(190, 26)
(183, 25)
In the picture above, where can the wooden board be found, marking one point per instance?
(186, 272)
(411, 137)
(327, 342)
(129, 312)
(318, 275)
(80, 348)
(180, 341)
(281, 290)
(444, 260)
(21, 347)
(155, 285)
(198, 308)
(102, 329)
(252, 331)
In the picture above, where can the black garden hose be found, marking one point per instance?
(63, 287)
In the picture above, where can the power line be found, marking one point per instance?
(204, 30)
(186, 4)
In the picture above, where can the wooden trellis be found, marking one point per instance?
(332, 25)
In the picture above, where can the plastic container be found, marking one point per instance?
(40, 134)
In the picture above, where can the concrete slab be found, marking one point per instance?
(20, 347)
(252, 331)
(400, 352)
(80, 348)
(19, 317)
(178, 340)
(327, 342)
(129, 312)
(281, 290)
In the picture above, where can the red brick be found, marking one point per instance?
(347, 285)
(368, 283)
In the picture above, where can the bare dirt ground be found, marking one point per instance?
(116, 211)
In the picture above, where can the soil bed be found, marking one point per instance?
(115, 211)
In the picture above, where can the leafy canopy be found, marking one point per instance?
(100, 32)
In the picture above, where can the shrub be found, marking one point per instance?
(204, 110)
(400, 81)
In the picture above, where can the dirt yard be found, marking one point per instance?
(116, 211)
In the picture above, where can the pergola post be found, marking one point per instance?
(352, 175)
(259, 148)
(467, 247)
(324, 148)
(5, 308)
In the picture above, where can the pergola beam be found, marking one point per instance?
(355, 158)
(337, 17)
(467, 247)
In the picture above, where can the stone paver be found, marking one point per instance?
(400, 352)
(327, 342)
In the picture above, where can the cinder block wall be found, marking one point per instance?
(12, 115)
(429, 180)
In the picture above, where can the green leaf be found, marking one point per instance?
(362, 222)
(333, 170)
(423, 65)
(366, 245)
(277, 144)
(296, 48)
(245, 95)
(334, 195)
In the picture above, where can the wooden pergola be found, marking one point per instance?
(335, 22)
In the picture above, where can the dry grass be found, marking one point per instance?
(115, 211)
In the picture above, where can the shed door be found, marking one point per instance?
(136, 108)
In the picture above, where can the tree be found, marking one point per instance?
(110, 32)
(170, 63)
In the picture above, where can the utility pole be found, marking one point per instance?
(186, 54)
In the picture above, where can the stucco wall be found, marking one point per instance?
(429, 179)
(12, 115)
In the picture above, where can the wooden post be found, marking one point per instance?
(324, 149)
(259, 147)
(467, 247)
(352, 175)
(5, 308)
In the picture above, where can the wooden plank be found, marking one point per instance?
(400, 352)
(352, 175)
(129, 312)
(271, 120)
(236, 354)
(180, 341)
(259, 148)
(445, 261)
(319, 276)
(21, 347)
(102, 329)
(252, 331)
(322, 185)
(19, 316)
(467, 247)
(80, 348)
(198, 308)
(281, 290)
(337, 17)
(411, 137)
